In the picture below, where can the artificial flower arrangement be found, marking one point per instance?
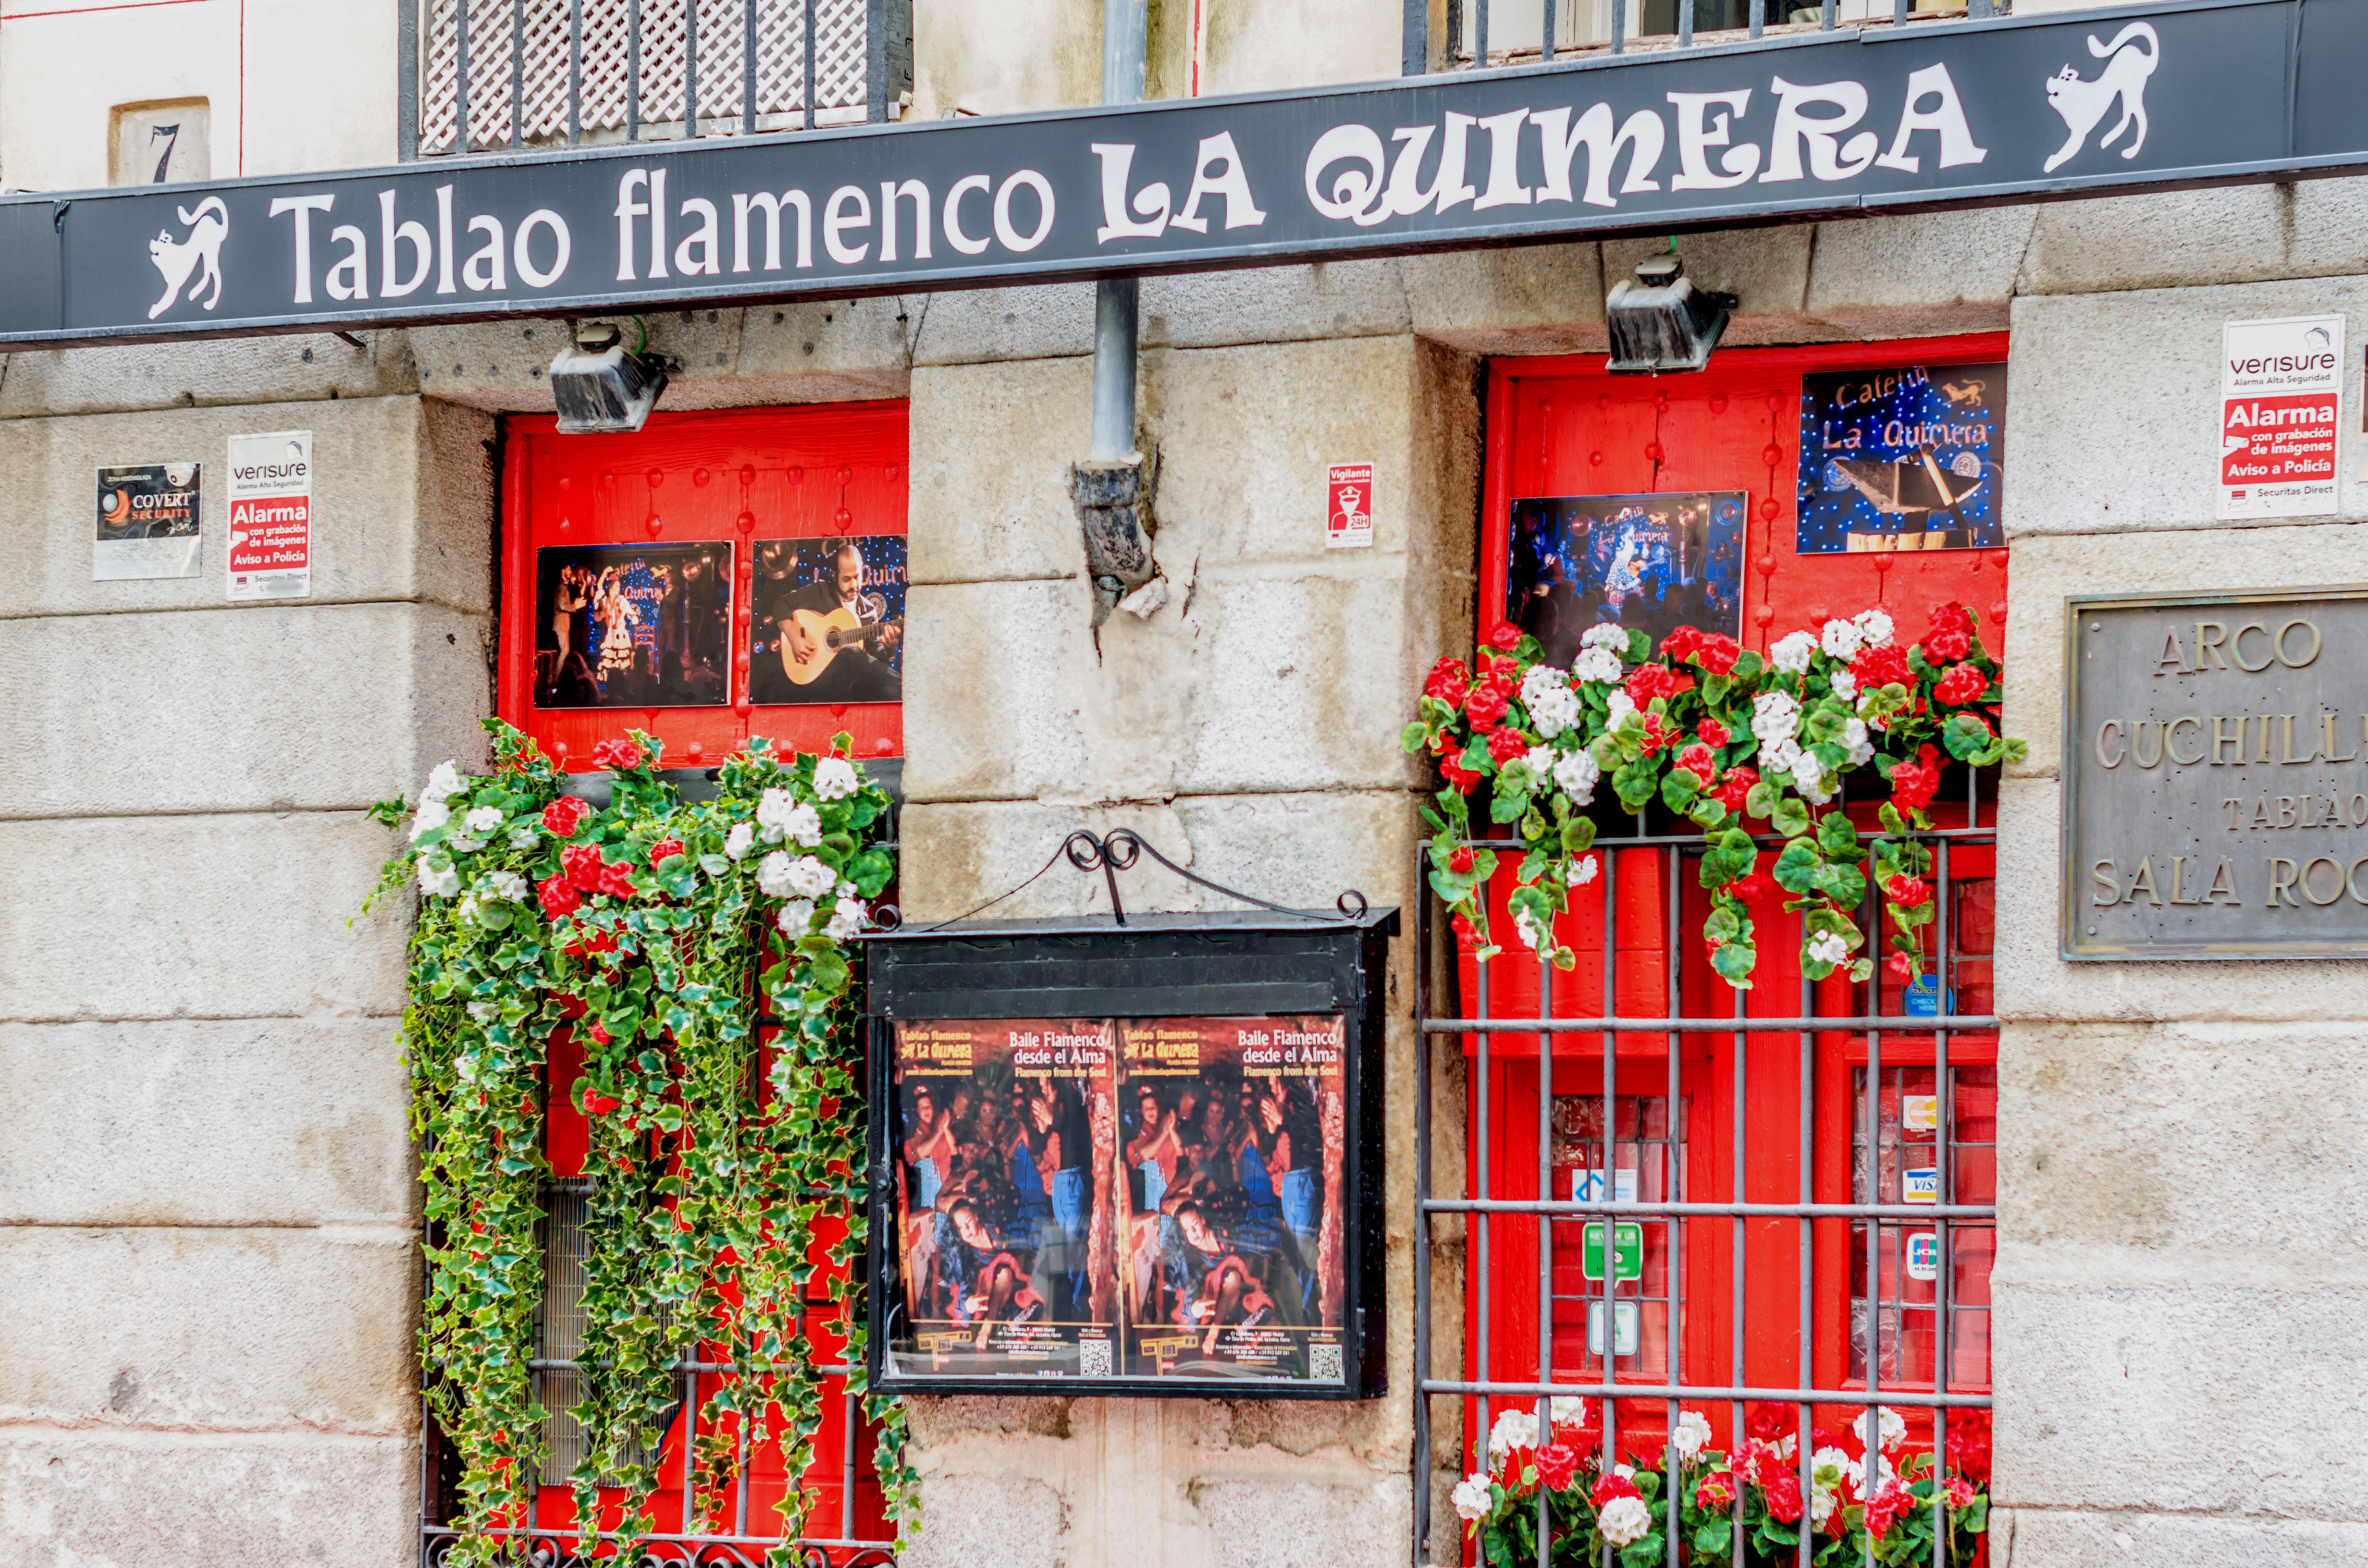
(1875, 1504)
(1724, 737)
(725, 1172)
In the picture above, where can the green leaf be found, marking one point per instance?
(1797, 866)
(1763, 799)
(1577, 835)
(1790, 817)
(1836, 837)
(1679, 786)
(1415, 736)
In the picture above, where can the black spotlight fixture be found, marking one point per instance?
(1659, 321)
(601, 389)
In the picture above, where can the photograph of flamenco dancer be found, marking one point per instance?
(1002, 1135)
(1231, 1233)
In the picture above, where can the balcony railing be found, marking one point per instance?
(1464, 35)
(524, 75)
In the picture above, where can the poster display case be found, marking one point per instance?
(1141, 1159)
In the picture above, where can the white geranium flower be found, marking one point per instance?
(835, 778)
(1826, 947)
(1854, 740)
(1822, 1502)
(845, 920)
(432, 814)
(522, 836)
(1617, 710)
(1828, 1467)
(1598, 664)
(1840, 639)
(438, 876)
(1774, 716)
(1582, 871)
(1575, 774)
(507, 886)
(737, 842)
(1693, 1434)
(1570, 1409)
(1791, 652)
(461, 844)
(443, 783)
(467, 910)
(1845, 684)
(1893, 1427)
(1548, 700)
(778, 818)
(1777, 757)
(1866, 1486)
(1540, 761)
(483, 820)
(1808, 774)
(845, 889)
(1605, 635)
(796, 916)
(1530, 929)
(1874, 629)
(1472, 1498)
(781, 877)
(1514, 1430)
(1624, 1519)
(773, 875)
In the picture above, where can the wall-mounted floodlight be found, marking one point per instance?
(601, 389)
(1660, 321)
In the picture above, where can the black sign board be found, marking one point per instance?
(1930, 115)
(1138, 1160)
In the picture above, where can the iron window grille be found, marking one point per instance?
(1879, 1312)
(533, 74)
(1535, 30)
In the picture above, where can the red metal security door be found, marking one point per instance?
(1745, 1113)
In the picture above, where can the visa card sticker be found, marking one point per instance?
(1919, 1186)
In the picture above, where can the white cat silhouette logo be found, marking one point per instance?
(199, 254)
(2083, 103)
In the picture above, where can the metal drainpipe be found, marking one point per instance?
(1125, 31)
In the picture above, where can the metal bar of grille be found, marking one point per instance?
(1413, 60)
(690, 70)
(748, 70)
(633, 71)
(460, 85)
(1480, 35)
(1620, 26)
(806, 97)
(1758, 16)
(517, 74)
(1826, 20)
(574, 72)
(406, 78)
(1685, 24)
(1898, 13)
(1836, 1360)
(1546, 42)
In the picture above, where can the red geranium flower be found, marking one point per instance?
(1913, 784)
(1969, 1443)
(582, 864)
(558, 896)
(1658, 732)
(1698, 760)
(1884, 1508)
(598, 1104)
(1736, 788)
(619, 755)
(1609, 1486)
(1506, 638)
(1717, 654)
(1650, 681)
(1908, 893)
(1962, 684)
(1960, 1492)
(1681, 644)
(1460, 777)
(1950, 637)
(564, 815)
(1448, 681)
(1753, 889)
(600, 1035)
(1459, 859)
(1487, 702)
(1712, 732)
(1886, 666)
(1557, 1464)
(662, 848)
(1899, 966)
(1716, 1490)
(1784, 1496)
(1504, 745)
(1769, 1423)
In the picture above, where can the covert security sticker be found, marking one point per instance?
(270, 552)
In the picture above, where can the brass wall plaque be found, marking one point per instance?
(2215, 776)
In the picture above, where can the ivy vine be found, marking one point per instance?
(697, 952)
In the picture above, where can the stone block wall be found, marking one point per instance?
(208, 1223)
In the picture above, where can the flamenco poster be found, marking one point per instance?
(1139, 1198)
(1647, 563)
(632, 626)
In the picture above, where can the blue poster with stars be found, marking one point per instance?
(1905, 458)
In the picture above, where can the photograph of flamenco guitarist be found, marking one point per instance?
(1232, 1135)
(830, 621)
(1003, 1137)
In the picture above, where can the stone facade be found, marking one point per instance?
(208, 1226)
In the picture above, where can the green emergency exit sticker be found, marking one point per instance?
(1627, 1252)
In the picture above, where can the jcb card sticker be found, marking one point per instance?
(1348, 496)
(1919, 1113)
(271, 550)
(147, 523)
(1919, 1186)
(1923, 1255)
(2281, 393)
